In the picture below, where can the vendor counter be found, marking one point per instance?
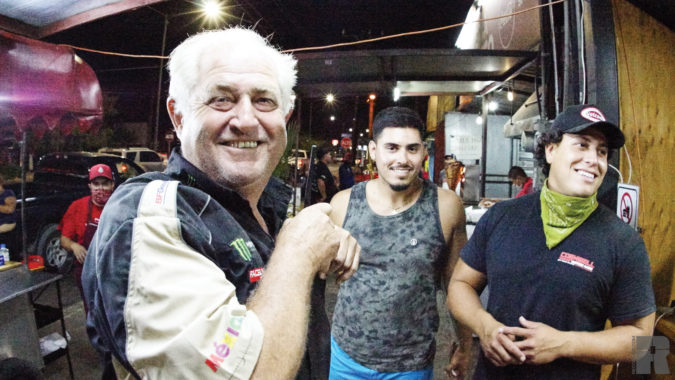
(21, 316)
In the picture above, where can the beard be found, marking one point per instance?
(400, 187)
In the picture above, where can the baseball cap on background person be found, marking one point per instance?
(575, 119)
(100, 170)
(320, 152)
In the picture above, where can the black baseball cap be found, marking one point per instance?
(575, 119)
(321, 151)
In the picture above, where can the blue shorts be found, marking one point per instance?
(343, 367)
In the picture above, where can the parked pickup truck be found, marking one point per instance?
(302, 158)
(58, 180)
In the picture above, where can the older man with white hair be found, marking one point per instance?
(191, 274)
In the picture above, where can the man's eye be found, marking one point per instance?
(265, 104)
(220, 103)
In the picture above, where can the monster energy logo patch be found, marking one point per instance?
(242, 248)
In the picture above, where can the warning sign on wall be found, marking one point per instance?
(627, 204)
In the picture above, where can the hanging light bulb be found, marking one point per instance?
(493, 105)
(479, 120)
(509, 96)
(397, 93)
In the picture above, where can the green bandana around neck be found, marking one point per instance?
(562, 214)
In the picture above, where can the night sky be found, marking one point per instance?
(290, 23)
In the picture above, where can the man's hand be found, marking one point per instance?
(499, 346)
(540, 343)
(329, 247)
(79, 252)
(460, 360)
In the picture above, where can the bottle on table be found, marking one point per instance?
(4, 252)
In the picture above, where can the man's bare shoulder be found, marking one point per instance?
(449, 202)
(339, 204)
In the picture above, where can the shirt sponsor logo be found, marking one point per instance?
(161, 193)
(242, 248)
(254, 275)
(576, 261)
(221, 350)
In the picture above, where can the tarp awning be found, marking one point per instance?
(45, 86)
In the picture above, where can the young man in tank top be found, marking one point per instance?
(410, 234)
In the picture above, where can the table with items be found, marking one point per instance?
(21, 315)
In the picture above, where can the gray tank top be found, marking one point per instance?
(385, 317)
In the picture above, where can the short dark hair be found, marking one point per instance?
(516, 172)
(397, 117)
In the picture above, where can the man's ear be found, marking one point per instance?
(371, 148)
(550, 151)
(288, 115)
(175, 115)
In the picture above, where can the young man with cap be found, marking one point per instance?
(559, 265)
(80, 221)
(410, 232)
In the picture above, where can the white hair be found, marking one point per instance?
(184, 61)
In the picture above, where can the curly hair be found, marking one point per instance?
(551, 136)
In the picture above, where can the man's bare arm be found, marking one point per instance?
(9, 206)
(339, 204)
(453, 224)
(542, 343)
(464, 303)
(305, 246)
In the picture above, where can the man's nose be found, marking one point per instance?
(244, 114)
(591, 156)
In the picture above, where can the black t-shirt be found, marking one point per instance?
(601, 271)
(321, 171)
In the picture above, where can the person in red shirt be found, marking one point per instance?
(80, 221)
(518, 177)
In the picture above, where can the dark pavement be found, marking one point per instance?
(85, 359)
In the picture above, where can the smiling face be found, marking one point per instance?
(399, 154)
(578, 163)
(233, 128)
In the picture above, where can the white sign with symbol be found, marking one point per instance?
(627, 203)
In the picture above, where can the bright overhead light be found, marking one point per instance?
(509, 96)
(350, 129)
(479, 120)
(372, 96)
(397, 93)
(492, 106)
(330, 98)
(332, 118)
(212, 9)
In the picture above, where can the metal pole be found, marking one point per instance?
(309, 134)
(24, 238)
(159, 85)
(483, 150)
(297, 147)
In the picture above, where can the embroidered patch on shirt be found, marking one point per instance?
(242, 248)
(576, 261)
(254, 275)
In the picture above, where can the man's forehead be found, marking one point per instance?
(233, 70)
(591, 133)
(410, 134)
